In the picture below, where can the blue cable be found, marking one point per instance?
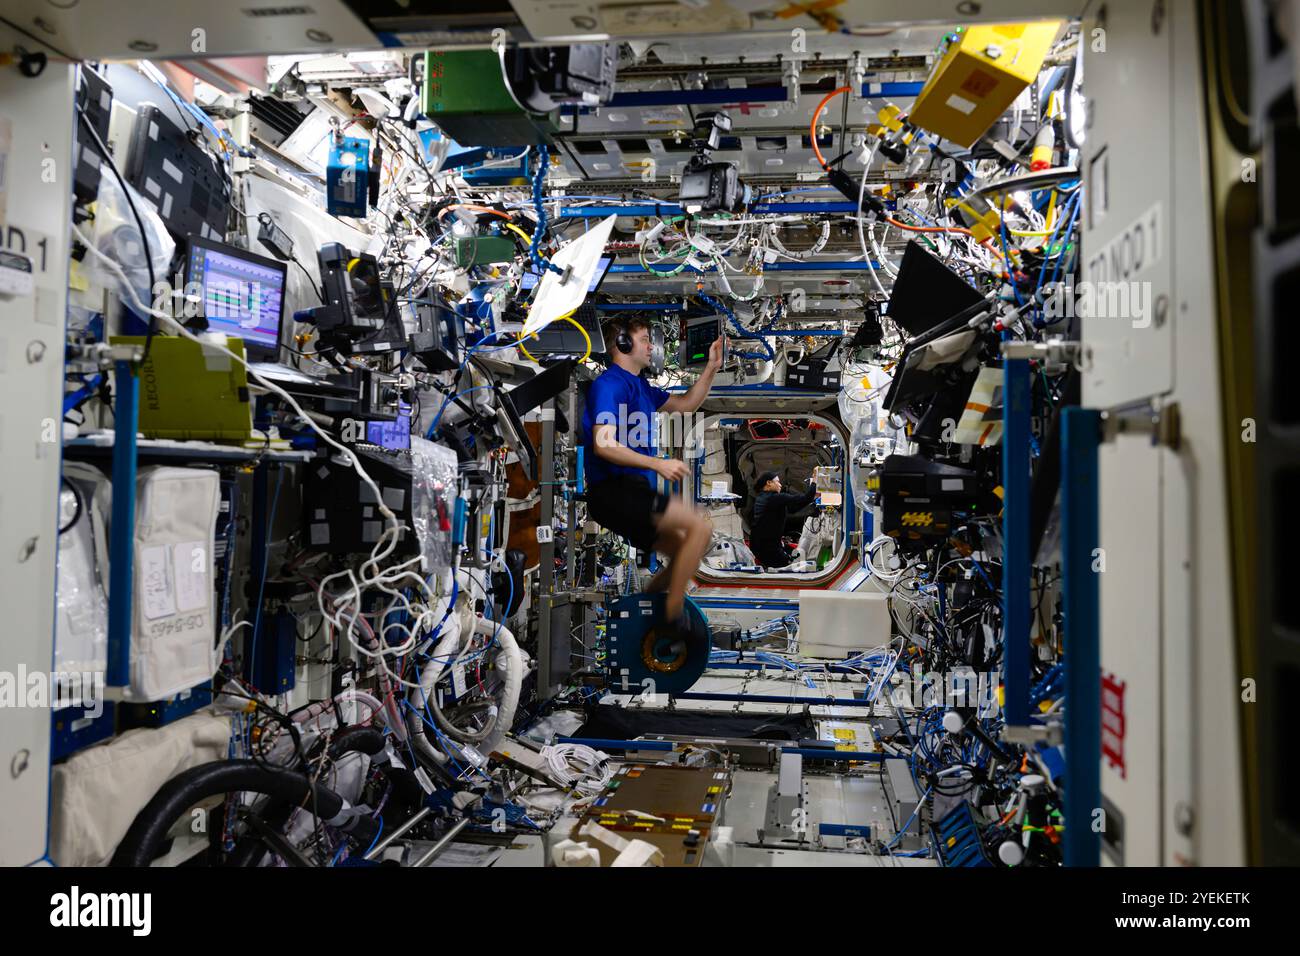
(469, 353)
(433, 427)
(73, 399)
(740, 330)
(1065, 237)
(901, 830)
(377, 836)
(437, 733)
(1042, 272)
(543, 159)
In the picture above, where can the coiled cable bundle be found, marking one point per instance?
(578, 766)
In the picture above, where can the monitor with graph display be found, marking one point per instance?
(242, 293)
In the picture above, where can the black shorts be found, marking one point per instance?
(628, 506)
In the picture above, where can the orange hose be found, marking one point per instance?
(958, 229)
(816, 115)
(485, 209)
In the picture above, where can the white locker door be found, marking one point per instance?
(1128, 206)
(35, 210)
(1131, 627)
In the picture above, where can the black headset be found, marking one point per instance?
(623, 339)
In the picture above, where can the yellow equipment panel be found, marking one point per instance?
(979, 76)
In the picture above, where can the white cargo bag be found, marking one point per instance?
(173, 590)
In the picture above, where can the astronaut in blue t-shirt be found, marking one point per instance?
(622, 462)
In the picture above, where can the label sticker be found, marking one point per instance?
(961, 104)
(1138, 247)
(156, 583)
(1113, 727)
(191, 585)
(979, 84)
(172, 170)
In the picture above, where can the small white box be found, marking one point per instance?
(836, 624)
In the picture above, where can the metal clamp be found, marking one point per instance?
(1051, 734)
(103, 355)
(1162, 422)
(1055, 351)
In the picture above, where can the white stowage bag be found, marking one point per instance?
(96, 794)
(81, 632)
(173, 630)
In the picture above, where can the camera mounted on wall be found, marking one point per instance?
(709, 186)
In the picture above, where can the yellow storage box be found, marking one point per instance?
(979, 76)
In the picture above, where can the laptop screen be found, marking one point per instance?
(530, 278)
(395, 435)
(243, 293)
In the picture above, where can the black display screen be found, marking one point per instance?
(699, 338)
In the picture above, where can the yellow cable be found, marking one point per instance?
(564, 318)
(528, 240)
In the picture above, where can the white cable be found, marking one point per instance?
(890, 576)
(862, 241)
(578, 766)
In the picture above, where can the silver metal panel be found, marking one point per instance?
(1128, 224)
(168, 29)
(35, 218)
(759, 856)
(566, 19)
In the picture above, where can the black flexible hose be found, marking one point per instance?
(275, 813)
(149, 830)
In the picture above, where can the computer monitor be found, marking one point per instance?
(396, 435)
(243, 294)
(926, 292)
(530, 278)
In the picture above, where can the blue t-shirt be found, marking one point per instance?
(628, 402)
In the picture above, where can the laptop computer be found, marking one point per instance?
(243, 296)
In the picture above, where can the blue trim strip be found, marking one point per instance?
(1080, 494)
(844, 830)
(1015, 535)
(800, 208)
(121, 544)
(628, 209)
(639, 307)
